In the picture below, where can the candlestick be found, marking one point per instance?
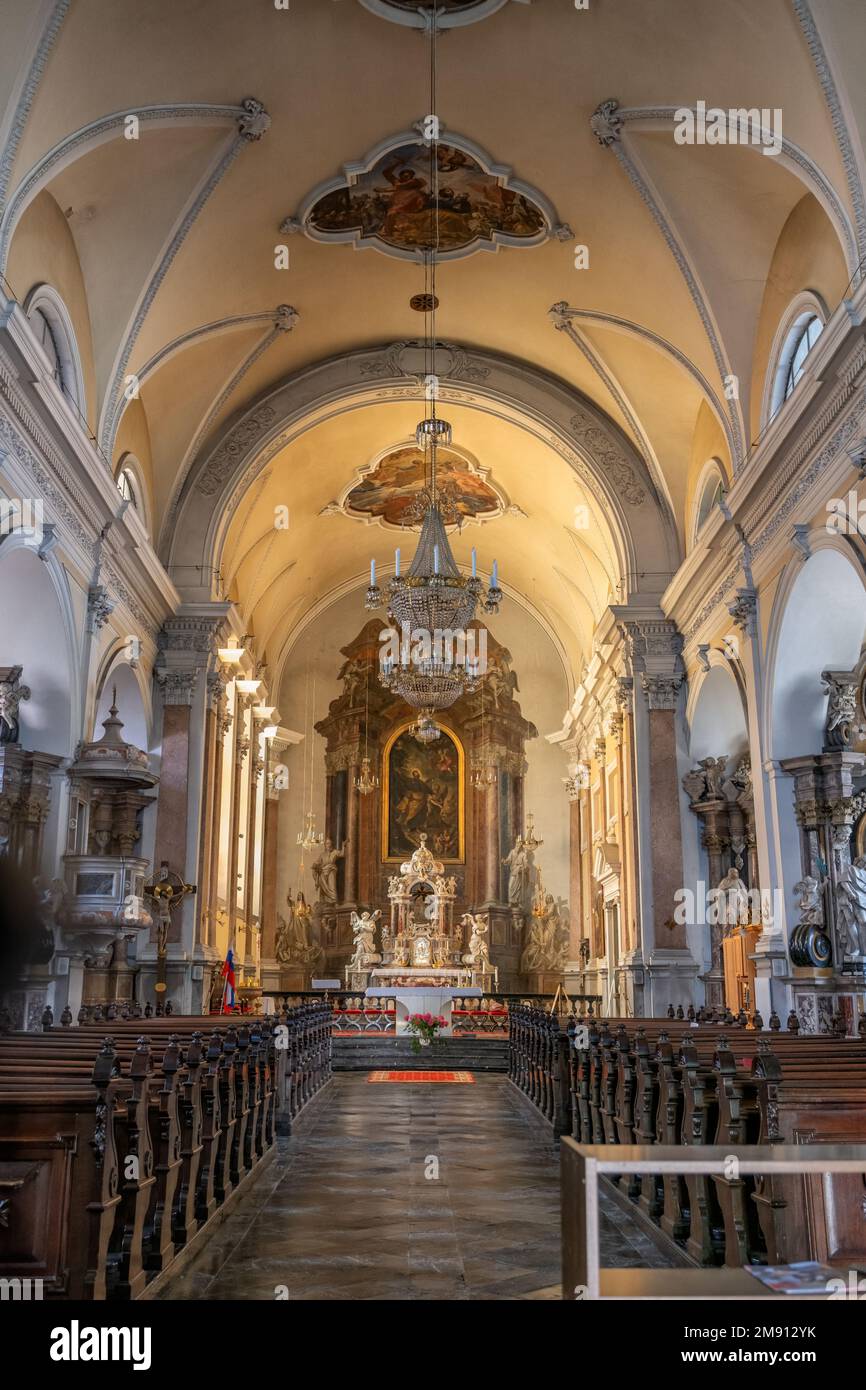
(372, 574)
(495, 574)
(474, 563)
(397, 563)
(435, 559)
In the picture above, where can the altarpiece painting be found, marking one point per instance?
(423, 795)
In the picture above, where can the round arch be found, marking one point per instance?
(37, 632)
(133, 699)
(643, 532)
(44, 301)
(716, 713)
(818, 622)
(805, 306)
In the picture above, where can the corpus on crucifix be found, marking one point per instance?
(166, 892)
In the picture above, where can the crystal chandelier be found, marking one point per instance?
(309, 837)
(530, 840)
(425, 728)
(434, 601)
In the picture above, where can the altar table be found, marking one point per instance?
(423, 999)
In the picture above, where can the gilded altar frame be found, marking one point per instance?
(460, 857)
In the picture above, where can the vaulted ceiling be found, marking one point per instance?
(692, 249)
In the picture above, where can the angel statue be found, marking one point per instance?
(478, 951)
(808, 892)
(364, 940)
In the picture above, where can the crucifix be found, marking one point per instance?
(166, 891)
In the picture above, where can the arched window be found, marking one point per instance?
(797, 335)
(126, 486)
(710, 490)
(45, 337)
(131, 486)
(52, 328)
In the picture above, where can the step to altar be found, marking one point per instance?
(377, 1052)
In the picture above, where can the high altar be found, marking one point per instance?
(420, 945)
(421, 858)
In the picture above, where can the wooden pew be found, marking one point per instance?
(149, 1141)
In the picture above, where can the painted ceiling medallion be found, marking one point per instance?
(387, 201)
(450, 13)
(388, 490)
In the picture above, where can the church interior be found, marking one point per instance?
(432, 652)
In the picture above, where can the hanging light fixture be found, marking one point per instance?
(433, 598)
(367, 782)
(309, 837)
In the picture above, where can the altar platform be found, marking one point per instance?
(367, 1052)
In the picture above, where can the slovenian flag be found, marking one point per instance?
(228, 974)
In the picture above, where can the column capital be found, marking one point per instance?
(661, 692)
(178, 687)
(744, 611)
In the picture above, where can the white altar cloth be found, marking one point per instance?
(425, 999)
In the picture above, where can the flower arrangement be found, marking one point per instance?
(424, 1028)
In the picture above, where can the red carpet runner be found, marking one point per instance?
(456, 1078)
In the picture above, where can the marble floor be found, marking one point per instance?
(403, 1192)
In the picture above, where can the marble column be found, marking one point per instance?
(257, 768)
(269, 874)
(492, 866)
(241, 747)
(353, 828)
(221, 725)
(771, 956)
(652, 657)
(178, 688)
(575, 895)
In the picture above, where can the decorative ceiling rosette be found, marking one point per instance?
(389, 201)
(450, 14)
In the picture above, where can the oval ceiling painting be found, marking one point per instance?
(391, 489)
(403, 205)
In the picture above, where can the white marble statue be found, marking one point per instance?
(734, 904)
(364, 940)
(520, 868)
(325, 872)
(478, 951)
(851, 908)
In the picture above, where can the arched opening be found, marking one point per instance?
(52, 327)
(797, 335)
(35, 635)
(717, 729)
(822, 628)
(709, 492)
(121, 687)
